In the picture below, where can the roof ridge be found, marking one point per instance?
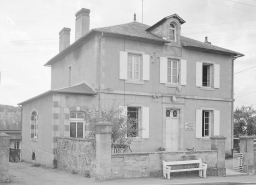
(120, 25)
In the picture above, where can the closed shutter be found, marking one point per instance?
(216, 76)
(123, 111)
(146, 67)
(199, 73)
(145, 122)
(163, 70)
(37, 131)
(123, 65)
(32, 126)
(183, 68)
(199, 123)
(216, 122)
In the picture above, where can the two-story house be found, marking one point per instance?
(180, 89)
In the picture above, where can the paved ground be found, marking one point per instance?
(23, 173)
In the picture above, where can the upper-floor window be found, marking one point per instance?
(172, 32)
(77, 124)
(172, 71)
(207, 75)
(69, 76)
(134, 66)
(34, 125)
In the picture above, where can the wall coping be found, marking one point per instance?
(161, 152)
(76, 139)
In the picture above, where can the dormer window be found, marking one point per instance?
(172, 32)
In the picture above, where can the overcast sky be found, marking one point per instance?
(30, 31)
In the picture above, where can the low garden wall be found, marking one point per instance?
(130, 165)
(76, 155)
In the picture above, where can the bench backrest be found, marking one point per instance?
(198, 161)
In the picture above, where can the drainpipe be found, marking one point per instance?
(232, 107)
(99, 97)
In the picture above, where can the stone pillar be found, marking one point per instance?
(218, 143)
(247, 148)
(103, 131)
(4, 157)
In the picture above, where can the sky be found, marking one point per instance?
(29, 36)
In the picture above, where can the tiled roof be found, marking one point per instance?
(76, 89)
(133, 29)
(139, 30)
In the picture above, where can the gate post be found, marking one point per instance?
(247, 148)
(103, 131)
(4, 157)
(218, 143)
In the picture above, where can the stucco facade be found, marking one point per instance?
(99, 60)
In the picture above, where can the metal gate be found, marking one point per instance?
(14, 155)
(238, 162)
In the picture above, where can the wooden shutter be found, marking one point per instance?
(216, 122)
(163, 70)
(146, 67)
(123, 111)
(199, 123)
(123, 65)
(183, 72)
(216, 76)
(199, 74)
(145, 122)
(32, 127)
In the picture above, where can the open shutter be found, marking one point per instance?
(123, 65)
(163, 70)
(199, 73)
(199, 123)
(216, 122)
(123, 111)
(146, 67)
(32, 127)
(183, 72)
(37, 131)
(145, 122)
(216, 76)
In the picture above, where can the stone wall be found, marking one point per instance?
(76, 155)
(131, 165)
(4, 157)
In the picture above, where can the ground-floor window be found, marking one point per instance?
(133, 114)
(77, 124)
(206, 116)
(16, 145)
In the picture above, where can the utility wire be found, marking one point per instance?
(241, 3)
(246, 94)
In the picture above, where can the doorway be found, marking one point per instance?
(172, 129)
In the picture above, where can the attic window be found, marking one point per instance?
(172, 32)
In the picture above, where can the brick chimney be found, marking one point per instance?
(206, 41)
(82, 23)
(64, 38)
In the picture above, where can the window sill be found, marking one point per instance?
(137, 82)
(171, 85)
(207, 88)
(34, 140)
(205, 138)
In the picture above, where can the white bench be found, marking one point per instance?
(167, 169)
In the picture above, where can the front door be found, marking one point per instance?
(172, 129)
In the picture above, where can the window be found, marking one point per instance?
(172, 32)
(34, 125)
(207, 75)
(206, 123)
(133, 114)
(77, 124)
(69, 76)
(16, 145)
(172, 71)
(134, 66)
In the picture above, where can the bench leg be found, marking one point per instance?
(200, 173)
(164, 174)
(169, 175)
(204, 173)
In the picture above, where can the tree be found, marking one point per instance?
(244, 121)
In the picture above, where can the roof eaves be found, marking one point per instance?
(40, 95)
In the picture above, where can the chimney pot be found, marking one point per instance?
(82, 23)
(206, 41)
(64, 38)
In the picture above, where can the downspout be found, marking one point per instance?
(232, 107)
(99, 97)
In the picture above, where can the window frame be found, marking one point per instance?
(76, 120)
(170, 29)
(140, 71)
(209, 73)
(171, 60)
(139, 134)
(35, 124)
(210, 122)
